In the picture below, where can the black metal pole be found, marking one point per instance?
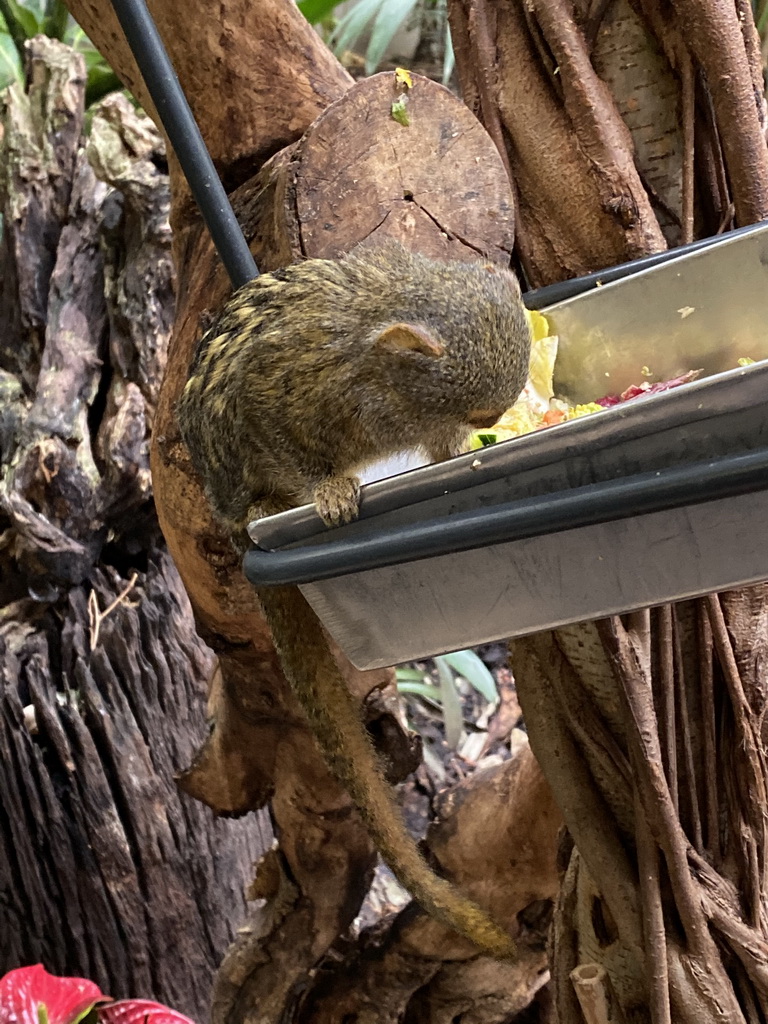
(182, 130)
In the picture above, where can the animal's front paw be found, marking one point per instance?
(337, 499)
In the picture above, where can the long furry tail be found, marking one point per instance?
(315, 678)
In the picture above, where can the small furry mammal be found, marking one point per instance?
(308, 374)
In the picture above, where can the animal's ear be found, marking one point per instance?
(411, 338)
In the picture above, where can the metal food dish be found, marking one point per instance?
(703, 309)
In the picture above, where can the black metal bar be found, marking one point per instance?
(184, 134)
(529, 517)
(539, 298)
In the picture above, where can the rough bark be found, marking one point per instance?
(680, 812)
(648, 729)
(560, 116)
(255, 75)
(570, 86)
(105, 869)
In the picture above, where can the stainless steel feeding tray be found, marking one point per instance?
(657, 499)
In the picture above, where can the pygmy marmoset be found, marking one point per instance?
(310, 373)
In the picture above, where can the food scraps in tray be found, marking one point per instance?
(537, 406)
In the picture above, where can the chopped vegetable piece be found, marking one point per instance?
(635, 390)
(537, 407)
(399, 111)
(584, 410)
(553, 416)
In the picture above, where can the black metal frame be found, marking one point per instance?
(589, 505)
(539, 298)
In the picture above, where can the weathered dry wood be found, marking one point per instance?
(581, 203)
(105, 869)
(647, 94)
(255, 75)
(435, 181)
(700, 896)
(36, 180)
(716, 35)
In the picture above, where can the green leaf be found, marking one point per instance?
(37, 7)
(10, 62)
(317, 10)
(425, 690)
(468, 665)
(353, 24)
(101, 80)
(389, 17)
(453, 718)
(406, 673)
(22, 16)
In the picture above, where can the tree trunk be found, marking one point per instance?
(105, 869)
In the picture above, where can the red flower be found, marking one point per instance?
(140, 1011)
(30, 995)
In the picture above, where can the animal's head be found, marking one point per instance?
(460, 346)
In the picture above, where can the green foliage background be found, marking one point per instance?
(21, 21)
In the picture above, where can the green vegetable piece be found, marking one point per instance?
(399, 111)
(486, 439)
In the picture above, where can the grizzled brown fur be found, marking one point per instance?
(308, 374)
(314, 370)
